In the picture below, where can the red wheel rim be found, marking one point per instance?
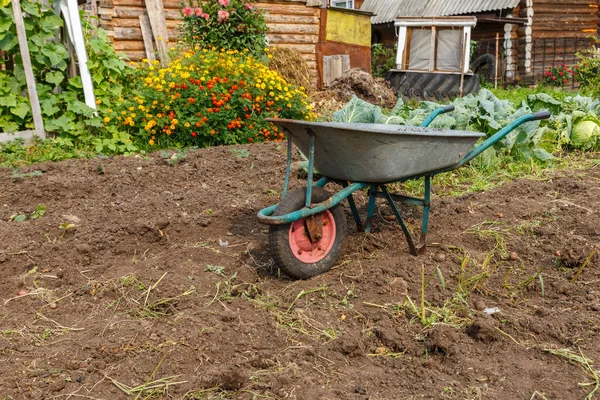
(301, 246)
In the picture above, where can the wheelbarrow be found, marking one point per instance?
(308, 230)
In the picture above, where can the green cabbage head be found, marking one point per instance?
(585, 133)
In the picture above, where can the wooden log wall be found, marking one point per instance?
(291, 24)
(558, 30)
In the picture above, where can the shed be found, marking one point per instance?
(533, 34)
(308, 26)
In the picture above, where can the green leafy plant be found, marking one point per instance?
(558, 75)
(587, 71)
(223, 24)
(207, 98)
(65, 113)
(39, 212)
(574, 123)
(382, 59)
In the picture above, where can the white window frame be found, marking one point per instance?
(349, 3)
(404, 24)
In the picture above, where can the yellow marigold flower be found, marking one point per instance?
(98, 101)
(106, 119)
(289, 105)
(271, 94)
(123, 112)
(151, 142)
(187, 124)
(121, 99)
(131, 108)
(175, 121)
(133, 115)
(110, 110)
(172, 127)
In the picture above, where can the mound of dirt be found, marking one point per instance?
(360, 83)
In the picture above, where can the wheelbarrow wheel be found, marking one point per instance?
(299, 255)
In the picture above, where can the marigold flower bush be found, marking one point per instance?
(205, 98)
(224, 24)
(558, 75)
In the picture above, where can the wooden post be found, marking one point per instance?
(24, 47)
(496, 61)
(462, 64)
(156, 14)
(147, 37)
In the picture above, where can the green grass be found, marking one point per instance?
(516, 95)
(16, 154)
(485, 173)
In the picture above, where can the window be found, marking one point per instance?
(343, 4)
(445, 56)
(434, 44)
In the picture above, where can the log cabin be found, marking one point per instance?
(531, 34)
(330, 38)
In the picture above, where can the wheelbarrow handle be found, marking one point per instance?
(495, 138)
(541, 115)
(435, 113)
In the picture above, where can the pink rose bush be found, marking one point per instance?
(223, 24)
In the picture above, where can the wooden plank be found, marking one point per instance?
(291, 19)
(336, 66)
(327, 65)
(128, 45)
(274, 8)
(292, 39)
(147, 37)
(128, 12)
(156, 15)
(345, 62)
(34, 101)
(300, 48)
(128, 33)
(296, 29)
(25, 135)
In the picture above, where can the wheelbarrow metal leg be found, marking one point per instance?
(425, 221)
(311, 161)
(288, 164)
(371, 208)
(411, 244)
(355, 214)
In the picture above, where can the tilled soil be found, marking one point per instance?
(151, 277)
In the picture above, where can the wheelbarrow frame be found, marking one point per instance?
(379, 189)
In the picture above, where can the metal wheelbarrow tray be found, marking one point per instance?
(308, 228)
(378, 153)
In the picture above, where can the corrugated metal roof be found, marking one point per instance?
(388, 10)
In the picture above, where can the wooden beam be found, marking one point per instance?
(147, 36)
(156, 15)
(34, 101)
(25, 135)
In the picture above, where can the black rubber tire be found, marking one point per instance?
(279, 236)
(485, 65)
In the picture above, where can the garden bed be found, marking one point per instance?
(153, 273)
